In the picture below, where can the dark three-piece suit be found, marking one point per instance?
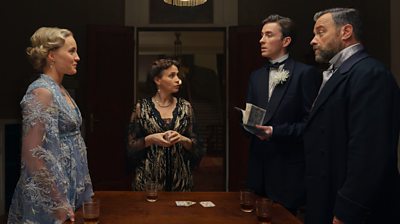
(351, 146)
(276, 166)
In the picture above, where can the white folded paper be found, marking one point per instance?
(184, 203)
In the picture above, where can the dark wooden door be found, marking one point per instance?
(244, 57)
(110, 95)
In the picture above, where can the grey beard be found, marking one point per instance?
(325, 56)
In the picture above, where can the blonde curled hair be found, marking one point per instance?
(44, 40)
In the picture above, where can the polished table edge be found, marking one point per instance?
(194, 196)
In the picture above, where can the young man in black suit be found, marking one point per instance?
(352, 133)
(286, 89)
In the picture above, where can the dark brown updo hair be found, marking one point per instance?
(43, 41)
(157, 68)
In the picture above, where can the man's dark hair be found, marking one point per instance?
(343, 16)
(287, 26)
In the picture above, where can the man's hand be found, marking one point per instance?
(336, 221)
(266, 132)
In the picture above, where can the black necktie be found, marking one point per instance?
(276, 64)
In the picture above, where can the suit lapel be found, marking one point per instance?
(278, 92)
(326, 91)
(262, 88)
(335, 80)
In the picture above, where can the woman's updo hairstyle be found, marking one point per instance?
(157, 68)
(44, 40)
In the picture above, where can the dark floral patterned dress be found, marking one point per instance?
(171, 167)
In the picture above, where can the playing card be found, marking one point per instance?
(207, 204)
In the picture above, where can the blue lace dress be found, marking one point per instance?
(54, 169)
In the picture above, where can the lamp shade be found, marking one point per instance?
(185, 2)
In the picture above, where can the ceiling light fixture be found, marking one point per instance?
(185, 2)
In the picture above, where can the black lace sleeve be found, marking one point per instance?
(198, 150)
(136, 135)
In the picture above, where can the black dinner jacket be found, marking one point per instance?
(351, 146)
(276, 166)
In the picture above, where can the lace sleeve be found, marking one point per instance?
(44, 180)
(198, 149)
(136, 144)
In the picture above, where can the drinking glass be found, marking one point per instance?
(263, 210)
(246, 200)
(91, 211)
(151, 191)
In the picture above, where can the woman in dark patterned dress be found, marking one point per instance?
(161, 141)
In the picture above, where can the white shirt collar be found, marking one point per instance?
(280, 59)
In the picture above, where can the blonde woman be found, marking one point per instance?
(54, 177)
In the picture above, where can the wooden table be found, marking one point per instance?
(124, 207)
